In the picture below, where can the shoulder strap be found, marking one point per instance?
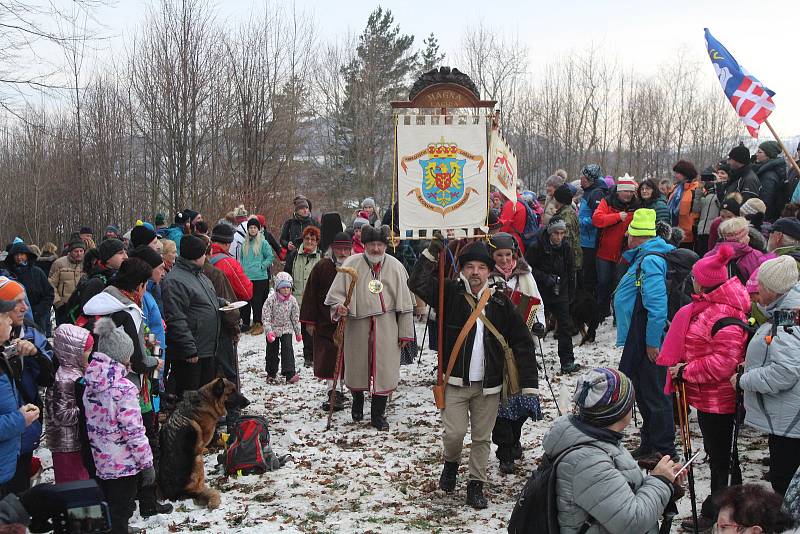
(639, 264)
(552, 508)
(488, 324)
(216, 258)
(462, 335)
(730, 321)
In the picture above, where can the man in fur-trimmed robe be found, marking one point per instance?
(316, 315)
(379, 322)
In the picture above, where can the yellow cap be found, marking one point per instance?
(643, 223)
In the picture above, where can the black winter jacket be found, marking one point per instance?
(292, 229)
(37, 287)
(743, 181)
(772, 174)
(548, 262)
(499, 310)
(191, 310)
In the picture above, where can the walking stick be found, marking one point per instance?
(735, 467)
(440, 319)
(686, 439)
(424, 333)
(338, 339)
(547, 378)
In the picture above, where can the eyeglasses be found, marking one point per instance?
(726, 527)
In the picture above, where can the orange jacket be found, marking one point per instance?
(687, 219)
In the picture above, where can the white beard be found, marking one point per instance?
(374, 260)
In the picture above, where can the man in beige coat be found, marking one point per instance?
(65, 273)
(379, 322)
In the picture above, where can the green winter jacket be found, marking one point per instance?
(256, 267)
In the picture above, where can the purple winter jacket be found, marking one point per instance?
(746, 257)
(114, 420)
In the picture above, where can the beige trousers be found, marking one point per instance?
(469, 406)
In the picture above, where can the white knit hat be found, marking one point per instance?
(626, 183)
(778, 275)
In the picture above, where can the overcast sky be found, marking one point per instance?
(639, 34)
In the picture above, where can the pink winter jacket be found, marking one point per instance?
(712, 361)
(114, 420)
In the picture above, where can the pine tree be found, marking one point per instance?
(380, 72)
(431, 58)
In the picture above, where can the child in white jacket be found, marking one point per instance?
(281, 318)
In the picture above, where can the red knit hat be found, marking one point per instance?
(712, 269)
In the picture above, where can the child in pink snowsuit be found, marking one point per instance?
(281, 317)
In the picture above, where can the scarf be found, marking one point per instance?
(674, 203)
(673, 350)
(281, 297)
(602, 434)
(135, 298)
(507, 273)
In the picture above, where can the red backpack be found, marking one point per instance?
(250, 452)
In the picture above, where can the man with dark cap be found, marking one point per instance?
(562, 200)
(86, 233)
(112, 232)
(478, 366)
(594, 190)
(191, 311)
(221, 258)
(315, 315)
(160, 222)
(65, 273)
(142, 235)
(551, 261)
(771, 171)
(784, 238)
(741, 179)
(599, 483)
(292, 229)
(110, 255)
(380, 321)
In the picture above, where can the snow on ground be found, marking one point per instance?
(354, 478)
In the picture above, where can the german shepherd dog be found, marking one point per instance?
(185, 436)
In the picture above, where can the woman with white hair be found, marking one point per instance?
(735, 233)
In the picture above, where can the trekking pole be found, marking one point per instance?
(424, 333)
(686, 439)
(338, 338)
(546, 377)
(735, 475)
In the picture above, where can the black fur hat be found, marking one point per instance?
(378, 232)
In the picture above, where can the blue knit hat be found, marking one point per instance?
(603, 396)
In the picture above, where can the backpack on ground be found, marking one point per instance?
(250, 452)
(536, 509)
(679, 282)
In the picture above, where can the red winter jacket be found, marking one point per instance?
(712, 361)
(612, 230)
(222, 260)
(512, 220)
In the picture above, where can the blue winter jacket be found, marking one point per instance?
(256, 267)
(12, 425)
(153, 318)
(174, 233)
(589, 202)
(653, 287)
(38, 372)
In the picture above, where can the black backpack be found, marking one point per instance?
(749, 328)
(74, 307)
(536, 510)
(250, 452)
(679, 280)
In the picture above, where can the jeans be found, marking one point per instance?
(783, 461)
(284, 342)
(717, 430)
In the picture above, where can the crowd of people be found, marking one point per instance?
(698, 272)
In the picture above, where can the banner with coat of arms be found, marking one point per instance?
(502, 166)
(442, 180)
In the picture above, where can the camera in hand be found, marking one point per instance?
(68, 508)
(786, 317)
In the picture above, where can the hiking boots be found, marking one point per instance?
(570, 368)
(516, 451)
(357, 410)
(507, 467)
(475, 496)
(447, 480)
(154, 509)
(256, 329)
(338, 401)
(377, 412)
(704, 524)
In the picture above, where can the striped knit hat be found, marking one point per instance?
(627, 183)
(603, 396)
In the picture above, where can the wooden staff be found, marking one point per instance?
(440, 318)
(338, 339)
(786, 153)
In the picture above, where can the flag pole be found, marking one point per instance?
(783, 147)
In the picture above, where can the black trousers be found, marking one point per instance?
(506, 435)
(260, 293)
(147, 494)
(717, 430)
(21, 481)
(564, 330)
(284, 344)
(120, 496)
(308, 344)
(589, 270)
(193, 376)
(784, 459)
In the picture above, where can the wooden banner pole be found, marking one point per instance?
(786, 153)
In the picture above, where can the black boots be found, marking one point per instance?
(377, 411)
(357, 410)
(507, 467)
(475, 496)
(447, 481)
(338, 401)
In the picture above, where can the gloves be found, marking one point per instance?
(436, 245)
(148, 477)
(270, 337)
(298, 337)
(539, 330)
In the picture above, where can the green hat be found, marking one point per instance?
(770, 148)
(643, 223)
